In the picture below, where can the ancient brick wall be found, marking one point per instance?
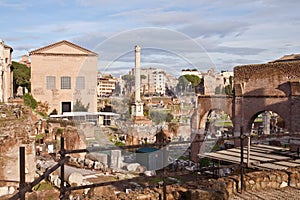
(273, 87)
(209, 103)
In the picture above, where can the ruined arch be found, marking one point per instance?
(213, 112)
(279, 120)
(273, 86)
(207, 104)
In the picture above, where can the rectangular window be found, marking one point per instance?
(50, 82)
(65, 82)
(80, 83)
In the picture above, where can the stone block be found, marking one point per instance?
(11, 190)
(230, 187)
(283, 184)
(279, 178)
(75, 179)
(293, 183)
(270, 177)
(132, 167)
(198, 194)
(115, 159)
(264, 185)
(4, 191)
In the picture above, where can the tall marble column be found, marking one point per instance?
(137, 107)
(137, 74)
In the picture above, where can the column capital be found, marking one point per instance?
(137, 48)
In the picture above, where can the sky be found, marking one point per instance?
(176, 34)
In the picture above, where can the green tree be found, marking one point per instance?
(21, 76)
(30, 101)
(193, 79)
(182, 84)
(228, 89)
(218, 89)
(160, 116)
(117, 89)
(128, 77)
(129, 81)
(79, 107)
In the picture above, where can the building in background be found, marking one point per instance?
(64, 74)
(25, 60)
(153, 81)
(212, 82)
(191, 72)
(106, 85)
(6, 74)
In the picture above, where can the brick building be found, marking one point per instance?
(62, 74)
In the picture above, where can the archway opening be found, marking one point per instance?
(218, 123)
(267, 122)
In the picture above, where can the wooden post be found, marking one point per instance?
(22, 173)
(248, 150)
(62, 195)
(165, 161)
(242, 160)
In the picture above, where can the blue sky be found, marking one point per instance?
(229, 32)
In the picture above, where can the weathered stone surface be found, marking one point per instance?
(150, 173)
(283, 184)
(16, 129)
(100, 157)
(4, 191)
(75, 179)
(198, 194)
(115, 159)
(132, 167)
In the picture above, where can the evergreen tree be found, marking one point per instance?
(21, 76)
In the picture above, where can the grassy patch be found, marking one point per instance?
(186, 158)
(39, 136)
(155, 180)
(118, 143)
(43, 186)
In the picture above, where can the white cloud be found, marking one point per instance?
(227, 30)
(21, 5)
(211, 28)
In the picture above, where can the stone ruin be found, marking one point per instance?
(16, 129)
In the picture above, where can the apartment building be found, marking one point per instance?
(106, 86)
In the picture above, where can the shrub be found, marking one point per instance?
(54, 112)
(30, 101)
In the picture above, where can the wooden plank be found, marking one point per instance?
(222, 157)
(271, 147)
(252, 157)
(227, 158)
(262, 154)
(286, 163)
(270, 166)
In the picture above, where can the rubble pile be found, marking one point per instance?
(88, 164)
